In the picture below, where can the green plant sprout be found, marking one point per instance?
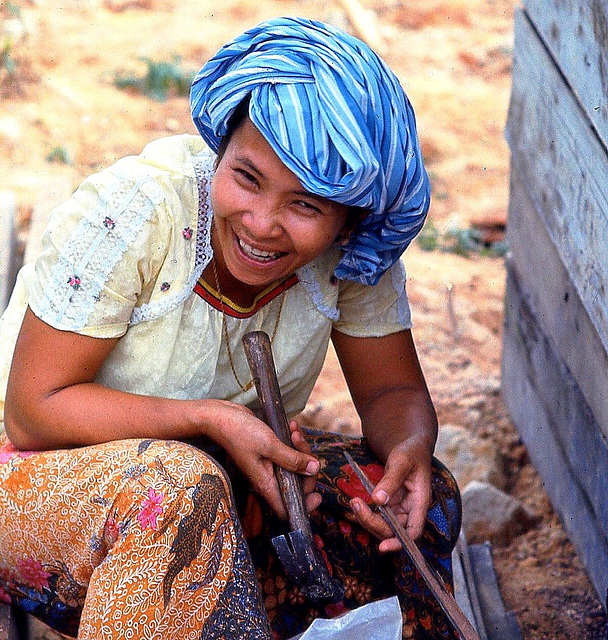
(160, 79)
(458, 240)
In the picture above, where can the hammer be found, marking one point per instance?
(296, 550)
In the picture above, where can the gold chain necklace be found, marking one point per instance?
(247, 386)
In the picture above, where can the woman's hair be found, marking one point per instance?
(354, 215)
(234, 122)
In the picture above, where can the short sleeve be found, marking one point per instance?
(374, 311)
(102, 250)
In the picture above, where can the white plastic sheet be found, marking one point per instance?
(379, 620)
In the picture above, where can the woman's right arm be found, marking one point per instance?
(53, 402)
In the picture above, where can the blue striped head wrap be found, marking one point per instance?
(337, 117)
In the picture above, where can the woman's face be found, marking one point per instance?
(266, 224)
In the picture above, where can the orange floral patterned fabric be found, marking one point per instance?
(141, 539)
(129, 539)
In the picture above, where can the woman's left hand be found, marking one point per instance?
(405, 488)
(400, 424)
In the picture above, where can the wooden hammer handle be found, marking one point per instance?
(259, 356)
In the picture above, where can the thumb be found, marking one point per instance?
(391, 482)
(296, 461)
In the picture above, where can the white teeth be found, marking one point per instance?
(258, 254)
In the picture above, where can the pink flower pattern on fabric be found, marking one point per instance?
(33, 573)
(151, 509)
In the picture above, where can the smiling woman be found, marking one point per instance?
(265, 226)
(123, 342)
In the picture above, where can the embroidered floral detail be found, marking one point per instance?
(74, 282)
(94, 251)
(187, 233)
(33, 573)
(165, 286)
(108, 223)
(151, 509)
(203, 168)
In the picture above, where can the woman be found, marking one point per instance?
(289, 216)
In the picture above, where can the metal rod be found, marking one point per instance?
(446, 600)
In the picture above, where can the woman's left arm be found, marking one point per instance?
(399, 421)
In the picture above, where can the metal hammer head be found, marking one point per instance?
(305, 566)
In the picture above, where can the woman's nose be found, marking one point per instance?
(262, 221)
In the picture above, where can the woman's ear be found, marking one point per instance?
(343, 237)
(353, 218)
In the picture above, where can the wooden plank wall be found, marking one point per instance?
(555, 362)
(576, 34)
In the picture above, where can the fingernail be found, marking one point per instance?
(312, 467)
(382, 495)
(355, 506)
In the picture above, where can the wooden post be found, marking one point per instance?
(8, 208)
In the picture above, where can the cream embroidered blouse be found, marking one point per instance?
(122, 257)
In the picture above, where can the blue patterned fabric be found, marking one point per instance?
(337, 117)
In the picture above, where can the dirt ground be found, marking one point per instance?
(62, 116)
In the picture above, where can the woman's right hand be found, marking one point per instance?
(255, 449)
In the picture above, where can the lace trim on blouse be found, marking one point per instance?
(94, 248)
(203, 169)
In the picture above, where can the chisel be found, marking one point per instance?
(446, 600)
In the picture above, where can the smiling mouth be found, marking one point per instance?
(259, 255)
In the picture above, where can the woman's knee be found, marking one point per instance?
(186, 460)
(165, 488)
(177, 463)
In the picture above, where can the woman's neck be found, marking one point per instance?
(227, 286)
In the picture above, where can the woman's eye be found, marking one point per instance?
(243, 174)
(308, 207)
